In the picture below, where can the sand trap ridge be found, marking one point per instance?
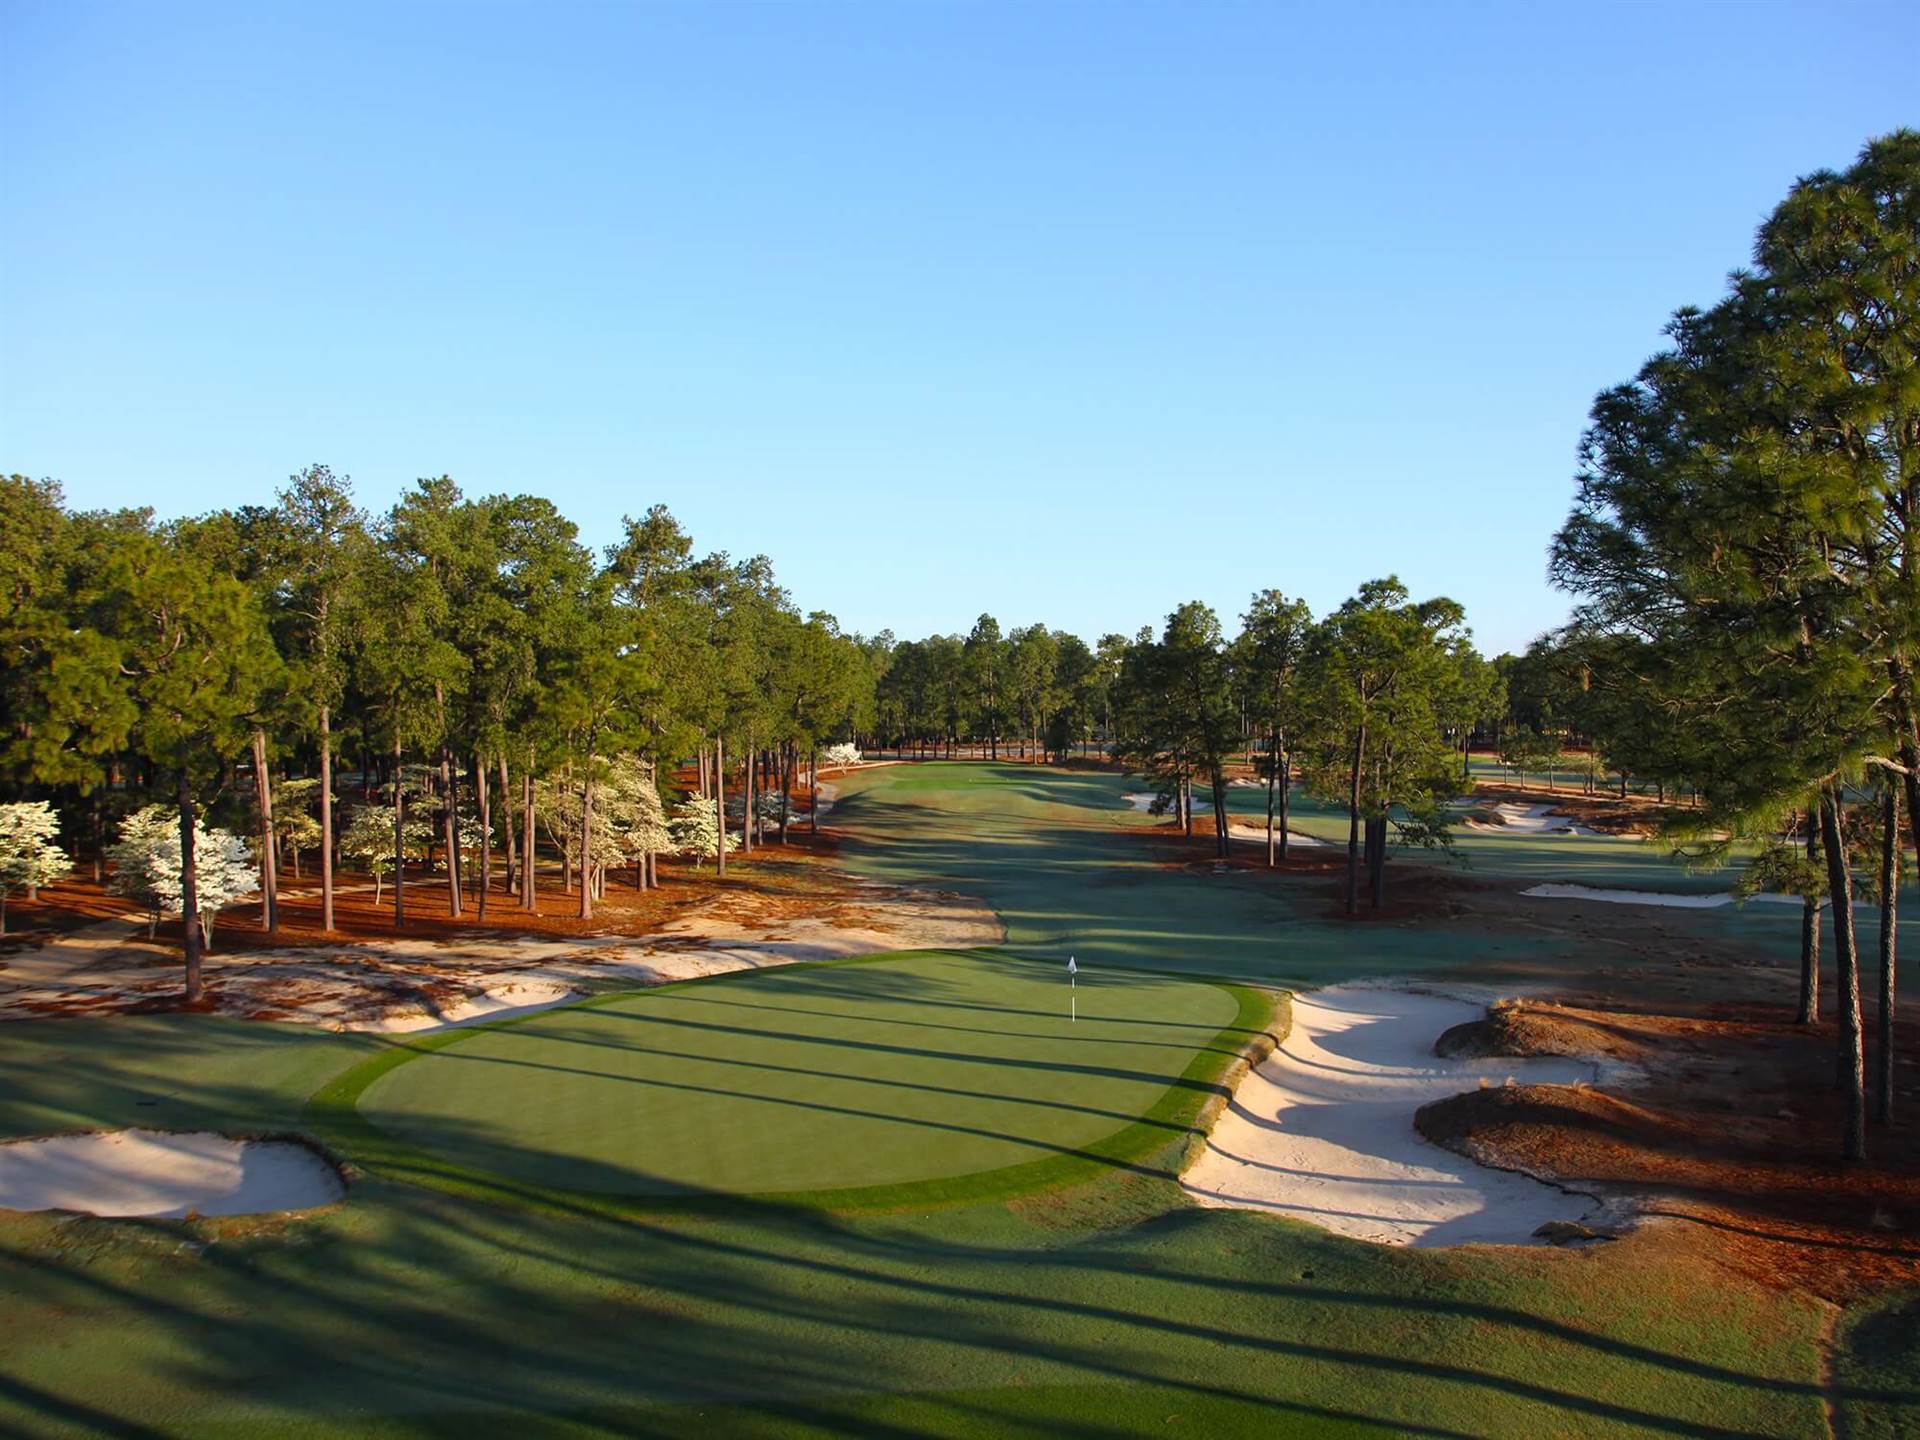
(159, 1173)
(1322, 1130)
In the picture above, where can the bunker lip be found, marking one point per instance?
(167, 1174)
(1322, 1130)
(498, 1002)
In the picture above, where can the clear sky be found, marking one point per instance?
(1066, 312)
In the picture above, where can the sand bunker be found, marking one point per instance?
(1663, 898)
(1666, 898)
(502, 1002)
(1322, 1130)
(1236, 829)
(161, 1174)
(1258, 834)
(1524, 820)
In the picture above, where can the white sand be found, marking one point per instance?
(159, 1173)
(1322, 1131)
(1664, 898)
(1526, 820)
(499, 1003)
(1667, 898)
(1258, 834)
(1236, 829)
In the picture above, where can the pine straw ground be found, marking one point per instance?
(781, 902)
(1729, 1119)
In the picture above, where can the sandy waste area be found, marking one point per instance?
(1322, 1130)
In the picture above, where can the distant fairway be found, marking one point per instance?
(919, 1068)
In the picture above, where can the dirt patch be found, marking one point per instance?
(1731, 1123)
(1521, 1028)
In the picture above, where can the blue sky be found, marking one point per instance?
(1065, 312)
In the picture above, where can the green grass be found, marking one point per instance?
(921, 1078)
(443, 1298)
(1046, 849)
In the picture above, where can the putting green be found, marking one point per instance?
(925, 1067)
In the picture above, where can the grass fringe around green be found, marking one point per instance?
(1188, 1106)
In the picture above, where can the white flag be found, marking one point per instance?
(1072, 969)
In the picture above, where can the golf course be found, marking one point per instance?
(904, 1194)
(959, 721)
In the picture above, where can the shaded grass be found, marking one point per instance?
(926, 1073)
(415, 1310)
(1048, 851)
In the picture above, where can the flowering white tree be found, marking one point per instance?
(368, 838)
(136, 872)
(629, 822)
(294, 827)
(28, 856)
(840, 757)
(696, 829)
(630, 812)
(147, 866)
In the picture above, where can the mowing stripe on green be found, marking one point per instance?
(921, 1077)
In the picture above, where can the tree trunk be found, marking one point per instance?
(1846, 957)
(399, 843)
(1353, 820)
(1907, 721)
(786, 788)
(813, 784)
(1377, 860)
(529, 896)
(263, 794)
(484, 801)
(586, 841)
(720, 806)
(452, 828)
(1285, 759)
(750, 806)
(1222, 836)
(1810, 936)
(506, 826)
(1273, 755)
(1889, 944)
(189, 892)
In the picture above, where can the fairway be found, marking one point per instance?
(921, 1067)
